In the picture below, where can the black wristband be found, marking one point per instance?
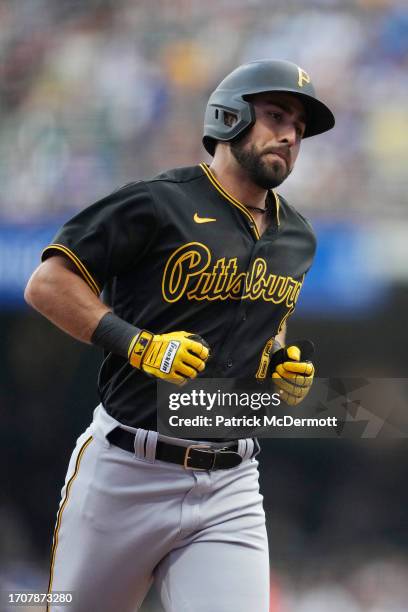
(114, 334)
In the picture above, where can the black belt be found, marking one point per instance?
(193, 457)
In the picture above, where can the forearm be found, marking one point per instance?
(64, 298)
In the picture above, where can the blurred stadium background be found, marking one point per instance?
(95, 93)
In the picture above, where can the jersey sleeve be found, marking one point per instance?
(313, 242)
(108, 237)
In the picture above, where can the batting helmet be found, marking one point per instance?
(257, 77)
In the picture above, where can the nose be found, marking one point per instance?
(288, 134)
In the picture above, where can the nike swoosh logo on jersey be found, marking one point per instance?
(198, 219)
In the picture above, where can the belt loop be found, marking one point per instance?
(250, 448)
(245, 448)
(140, 438)
(151, 444)
(242, 446)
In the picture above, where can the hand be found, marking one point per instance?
(175, 357)
(293, 373)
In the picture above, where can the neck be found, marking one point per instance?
(234, 180)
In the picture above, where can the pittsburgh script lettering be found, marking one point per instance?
(190, 271)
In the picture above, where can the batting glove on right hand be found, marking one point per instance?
(293, 372)
(175, 357)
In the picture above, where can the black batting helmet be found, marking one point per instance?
(257, 77)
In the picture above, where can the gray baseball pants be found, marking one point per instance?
(126, 519)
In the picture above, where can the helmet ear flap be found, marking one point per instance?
(216, 125)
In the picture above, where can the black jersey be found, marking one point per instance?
(179, 253)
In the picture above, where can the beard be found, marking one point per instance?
(265, 175)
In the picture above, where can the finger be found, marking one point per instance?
(293, 352)
(177, 380)
(193, 361)
(296, 379)
(289, 387)
(290, 399)
(185, 370)
(306, 368)
(173, 378)
(199, 339)
(196, 348)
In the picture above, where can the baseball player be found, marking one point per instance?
(200, 269)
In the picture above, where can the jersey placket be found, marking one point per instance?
(224, 361)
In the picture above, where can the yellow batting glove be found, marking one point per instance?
(292, 376)
(175, 357)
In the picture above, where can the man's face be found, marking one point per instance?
(269, 150)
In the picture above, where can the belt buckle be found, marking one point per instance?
(187, 457)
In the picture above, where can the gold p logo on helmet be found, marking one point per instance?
(303, 77)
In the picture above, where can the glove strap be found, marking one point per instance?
(138, 347)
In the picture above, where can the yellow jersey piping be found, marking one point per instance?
(230, 198)
(87, 276)
(277, 202)
(236, 202)
(61, 510)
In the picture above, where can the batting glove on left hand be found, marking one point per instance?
(293, 372)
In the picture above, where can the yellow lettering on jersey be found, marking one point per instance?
(190, 272)
(303, 77)
(186, 262)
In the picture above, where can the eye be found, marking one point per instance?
(275, 114)
(300, 130)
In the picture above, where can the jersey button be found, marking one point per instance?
(244, 317)
(229, 363)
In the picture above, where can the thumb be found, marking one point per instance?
(293, 352)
